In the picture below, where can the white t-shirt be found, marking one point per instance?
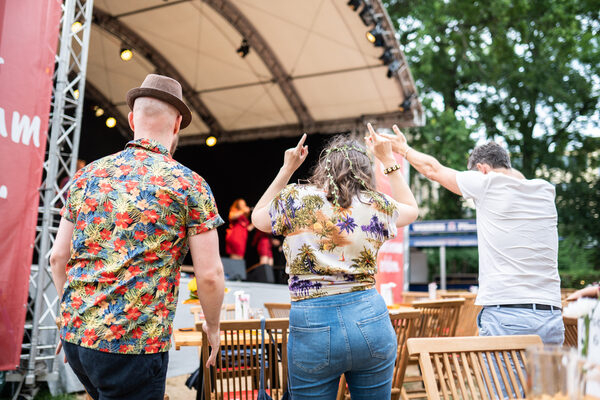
(517, 238)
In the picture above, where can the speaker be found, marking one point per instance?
(235, 270)
(261, 273)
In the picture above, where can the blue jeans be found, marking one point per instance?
(349, 334)
(110, 376)
(499, 321)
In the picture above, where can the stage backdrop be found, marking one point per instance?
(28, 39)
(391, 257)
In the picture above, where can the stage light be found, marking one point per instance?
(354, 4)
(405, 106)
(211, 141)
(126, 54)
(387, 57)
(98, 111)
(76, 27)
(375, 36)
(366, 15)
(111, 122)
(244, 49)
(394, 66)
(76, 94)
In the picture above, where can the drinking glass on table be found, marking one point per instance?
(554, 373)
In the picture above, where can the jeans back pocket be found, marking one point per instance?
(310, 348)
(379, 335)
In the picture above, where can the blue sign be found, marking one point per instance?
(443, 226)
(444, 240)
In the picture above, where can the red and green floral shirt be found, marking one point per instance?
(133, 212)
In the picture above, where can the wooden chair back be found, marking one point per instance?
(439, 318)
(457, 368)
(410, 297)
(278, 310)
(227, 313)
(467, 323)
(237, 371)
(570, 332)
(404, 323)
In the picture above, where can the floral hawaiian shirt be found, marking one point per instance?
(331, 250)
(133, 212)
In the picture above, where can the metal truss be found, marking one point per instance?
(41, 336)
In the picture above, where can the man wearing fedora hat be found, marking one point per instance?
(128, 222)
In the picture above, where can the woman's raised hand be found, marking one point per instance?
(379, 145)
(294, 157)
(399, 143)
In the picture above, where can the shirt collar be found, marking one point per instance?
(149, 144)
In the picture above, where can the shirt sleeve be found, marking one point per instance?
(283, 210)
(472, 184)
(202, 213)
(74, 197)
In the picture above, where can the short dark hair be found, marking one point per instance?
(490, 153)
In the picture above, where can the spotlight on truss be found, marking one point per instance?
(244, 49)
(375, 36)
(393, 68)
(387, 57)
(354, 4)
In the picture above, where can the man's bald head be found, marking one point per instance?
(155, 119)
(150, 114)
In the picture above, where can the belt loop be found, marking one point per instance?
(534, 307)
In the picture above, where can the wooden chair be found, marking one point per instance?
(278, 310)
(410, 297)
(570, 331)
(458, 366)
(227, 313)
(404, 323)
(467, 324)
(439, 317)
(236, 374)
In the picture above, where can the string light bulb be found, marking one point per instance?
(111, 122)
(76, 27)
(98, 111)
(126, 54)
(211, 141)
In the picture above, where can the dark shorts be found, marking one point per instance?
(110, 376)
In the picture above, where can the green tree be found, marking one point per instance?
(526, 71)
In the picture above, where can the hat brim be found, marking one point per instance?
(186, 114)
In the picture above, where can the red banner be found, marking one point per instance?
(390, 260)
(28, 39)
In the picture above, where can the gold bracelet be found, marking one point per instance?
(393, 168)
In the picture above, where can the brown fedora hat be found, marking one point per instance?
(162, 88)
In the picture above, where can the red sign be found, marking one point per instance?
(390, 260)
(28, 39)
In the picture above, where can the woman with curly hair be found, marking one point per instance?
(333, 228)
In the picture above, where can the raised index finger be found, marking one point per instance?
(301, 142)
(371, 130)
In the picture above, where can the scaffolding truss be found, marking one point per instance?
(38, 361)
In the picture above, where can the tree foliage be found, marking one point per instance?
(523, 71)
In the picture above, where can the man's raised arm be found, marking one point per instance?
(425, 164)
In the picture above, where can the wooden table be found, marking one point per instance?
(191, 337)
(187, 337)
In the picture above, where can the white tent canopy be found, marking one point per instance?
(309, 66)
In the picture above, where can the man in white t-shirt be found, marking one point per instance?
(519, 285)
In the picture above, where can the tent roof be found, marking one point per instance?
(309, 68)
